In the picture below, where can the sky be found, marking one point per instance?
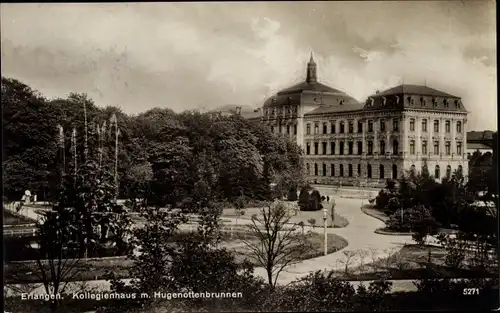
(205, 55)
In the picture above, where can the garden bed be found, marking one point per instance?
(369, 209)
(385, 231)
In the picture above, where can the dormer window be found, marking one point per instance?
(422, 101)
(409, 100)
(273, 100)
(457, 104)
(434, 102)
(384, 101)
(397, 99)
(445, 102)
(274, 112)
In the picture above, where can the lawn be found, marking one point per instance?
(302, 216)
(368, 209)
(411, 262)
(93, 269)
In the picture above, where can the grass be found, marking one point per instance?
(369, 209)
(94, 269)
(302, 216)
(411, 262)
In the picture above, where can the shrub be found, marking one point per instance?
(304, 199)
(424, 225)
(455, 250)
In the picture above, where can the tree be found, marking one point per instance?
(57, 261)
(424, 226)
(278, 245)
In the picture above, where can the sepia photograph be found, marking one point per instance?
(288, 156)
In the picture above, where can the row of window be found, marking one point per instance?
(437, 170)
(395, 126)
(446, 102)
(395, 148)
(278, 110)
(350, 170)
(289, 129)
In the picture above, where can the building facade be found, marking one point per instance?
(350, 143)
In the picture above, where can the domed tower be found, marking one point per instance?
(284, 112)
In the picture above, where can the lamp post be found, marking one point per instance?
(325, 217)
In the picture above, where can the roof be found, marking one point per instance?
(337, 108)
(309, 86)
(414, 90)
(477, 146)
(480, 135)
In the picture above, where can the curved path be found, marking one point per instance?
(360, 236)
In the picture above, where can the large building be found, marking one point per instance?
(347, 142)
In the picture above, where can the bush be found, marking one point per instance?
(455, 250)
(304, 199)
(424, 225)
(382, 200)
(410, 219)
(292, 194)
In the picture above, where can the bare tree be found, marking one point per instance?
(350, 257)
(362, 254)
(278, 245)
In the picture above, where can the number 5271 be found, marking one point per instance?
(470, 291)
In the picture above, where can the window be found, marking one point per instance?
(412, 124)
(295, 129)
(341, 127)
(436, 126)
(332, 147)
(324, 169)
(341, 170)
(308, 169)
(272, 129)
(288, 129)
(279, 129)
(370, 126)
(351, 127)
(436, 147)
(382, 125)
(316, 148)
(395, 124)
(424, 147)
(448, 148)
(332, 128)
(332, 170)
(395, 147)
(360, 147)
(382, 147)
(359, 169)
(460, 169)
(448, 171)
(351, 147)
(459, 127)
(308, 148)
(447, 126)
(381, 171)
(350, 170)
(370, 147)
(412, 147)
(308, 129)
(360, 127)
(394, 171)
(341, 148)
(369, 171)
(459, 148)
(315, 169)
(323, 147)
(437, 175)
(424, 125)
(316, 129)
(325, 128)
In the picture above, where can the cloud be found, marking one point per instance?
(189, 55)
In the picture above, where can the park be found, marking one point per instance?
(197, 202)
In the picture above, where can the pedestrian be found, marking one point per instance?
(327, 198)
